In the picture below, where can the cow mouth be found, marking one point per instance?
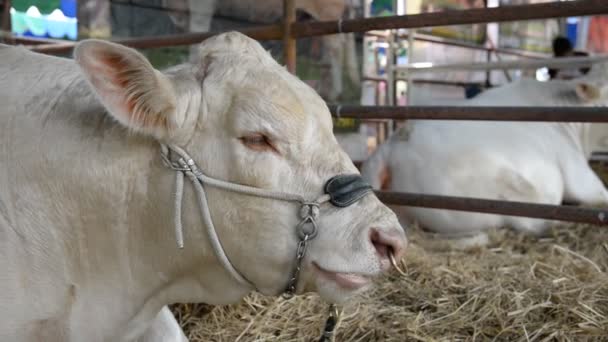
(349, 281)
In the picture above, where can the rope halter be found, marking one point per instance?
(341, 191)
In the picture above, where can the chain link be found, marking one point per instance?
(330, 324)
(300, 254)
(307, 230)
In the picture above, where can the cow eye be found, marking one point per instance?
(258, 142)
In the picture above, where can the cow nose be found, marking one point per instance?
(388, 241)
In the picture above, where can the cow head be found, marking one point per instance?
(592, 91)
(245, 119)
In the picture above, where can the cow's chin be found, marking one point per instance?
(338, 287)
(332, 287)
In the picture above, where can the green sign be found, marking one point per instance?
(44, 6)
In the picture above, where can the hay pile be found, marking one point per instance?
(516, 289)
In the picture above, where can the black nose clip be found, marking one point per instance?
(345, 190)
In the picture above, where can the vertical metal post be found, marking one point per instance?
(381, 132)
(491, 37)
(411, 40)
(390, 79)
(289, 43)
(367, 56)
(498, 58)
(6, 16)
(390, 69)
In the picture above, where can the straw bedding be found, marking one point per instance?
(515, 289)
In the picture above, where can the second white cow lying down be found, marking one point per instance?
(518, 161)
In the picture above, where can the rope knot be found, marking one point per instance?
(309, 210)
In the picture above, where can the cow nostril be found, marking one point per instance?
(386, 243)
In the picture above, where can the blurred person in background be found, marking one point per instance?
(562, 47)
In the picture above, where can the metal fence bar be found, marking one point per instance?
(463, 44)
(534, 210)
(553, 114)
(561, 62)
(267, 32)
(425, 81)
(317, 28)
(457, 17)
(9, 38)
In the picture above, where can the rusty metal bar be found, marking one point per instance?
(456, 17)
(559, 62)
(534, 210)
(554, 114)
(305, 29)
(463, 44)
(457, 43)
(425, 81)
(267, 32)
(446, 83)
(10, 38)
(289, 42)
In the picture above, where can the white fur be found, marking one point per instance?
(164, 328)
(87, 250)
(517, 161)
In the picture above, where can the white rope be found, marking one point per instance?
(212, 234)
(238, 188)
(177, 218)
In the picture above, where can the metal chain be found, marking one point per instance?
(330, 324)
(306, 230)
(293, 282)
(333, 316)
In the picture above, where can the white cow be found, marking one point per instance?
(518, 161)
(87, 244)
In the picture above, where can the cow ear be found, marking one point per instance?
(587, 91)
(134, 93)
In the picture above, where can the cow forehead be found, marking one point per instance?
(283, 99)
(301, 101)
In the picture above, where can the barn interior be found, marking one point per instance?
(513, 288)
